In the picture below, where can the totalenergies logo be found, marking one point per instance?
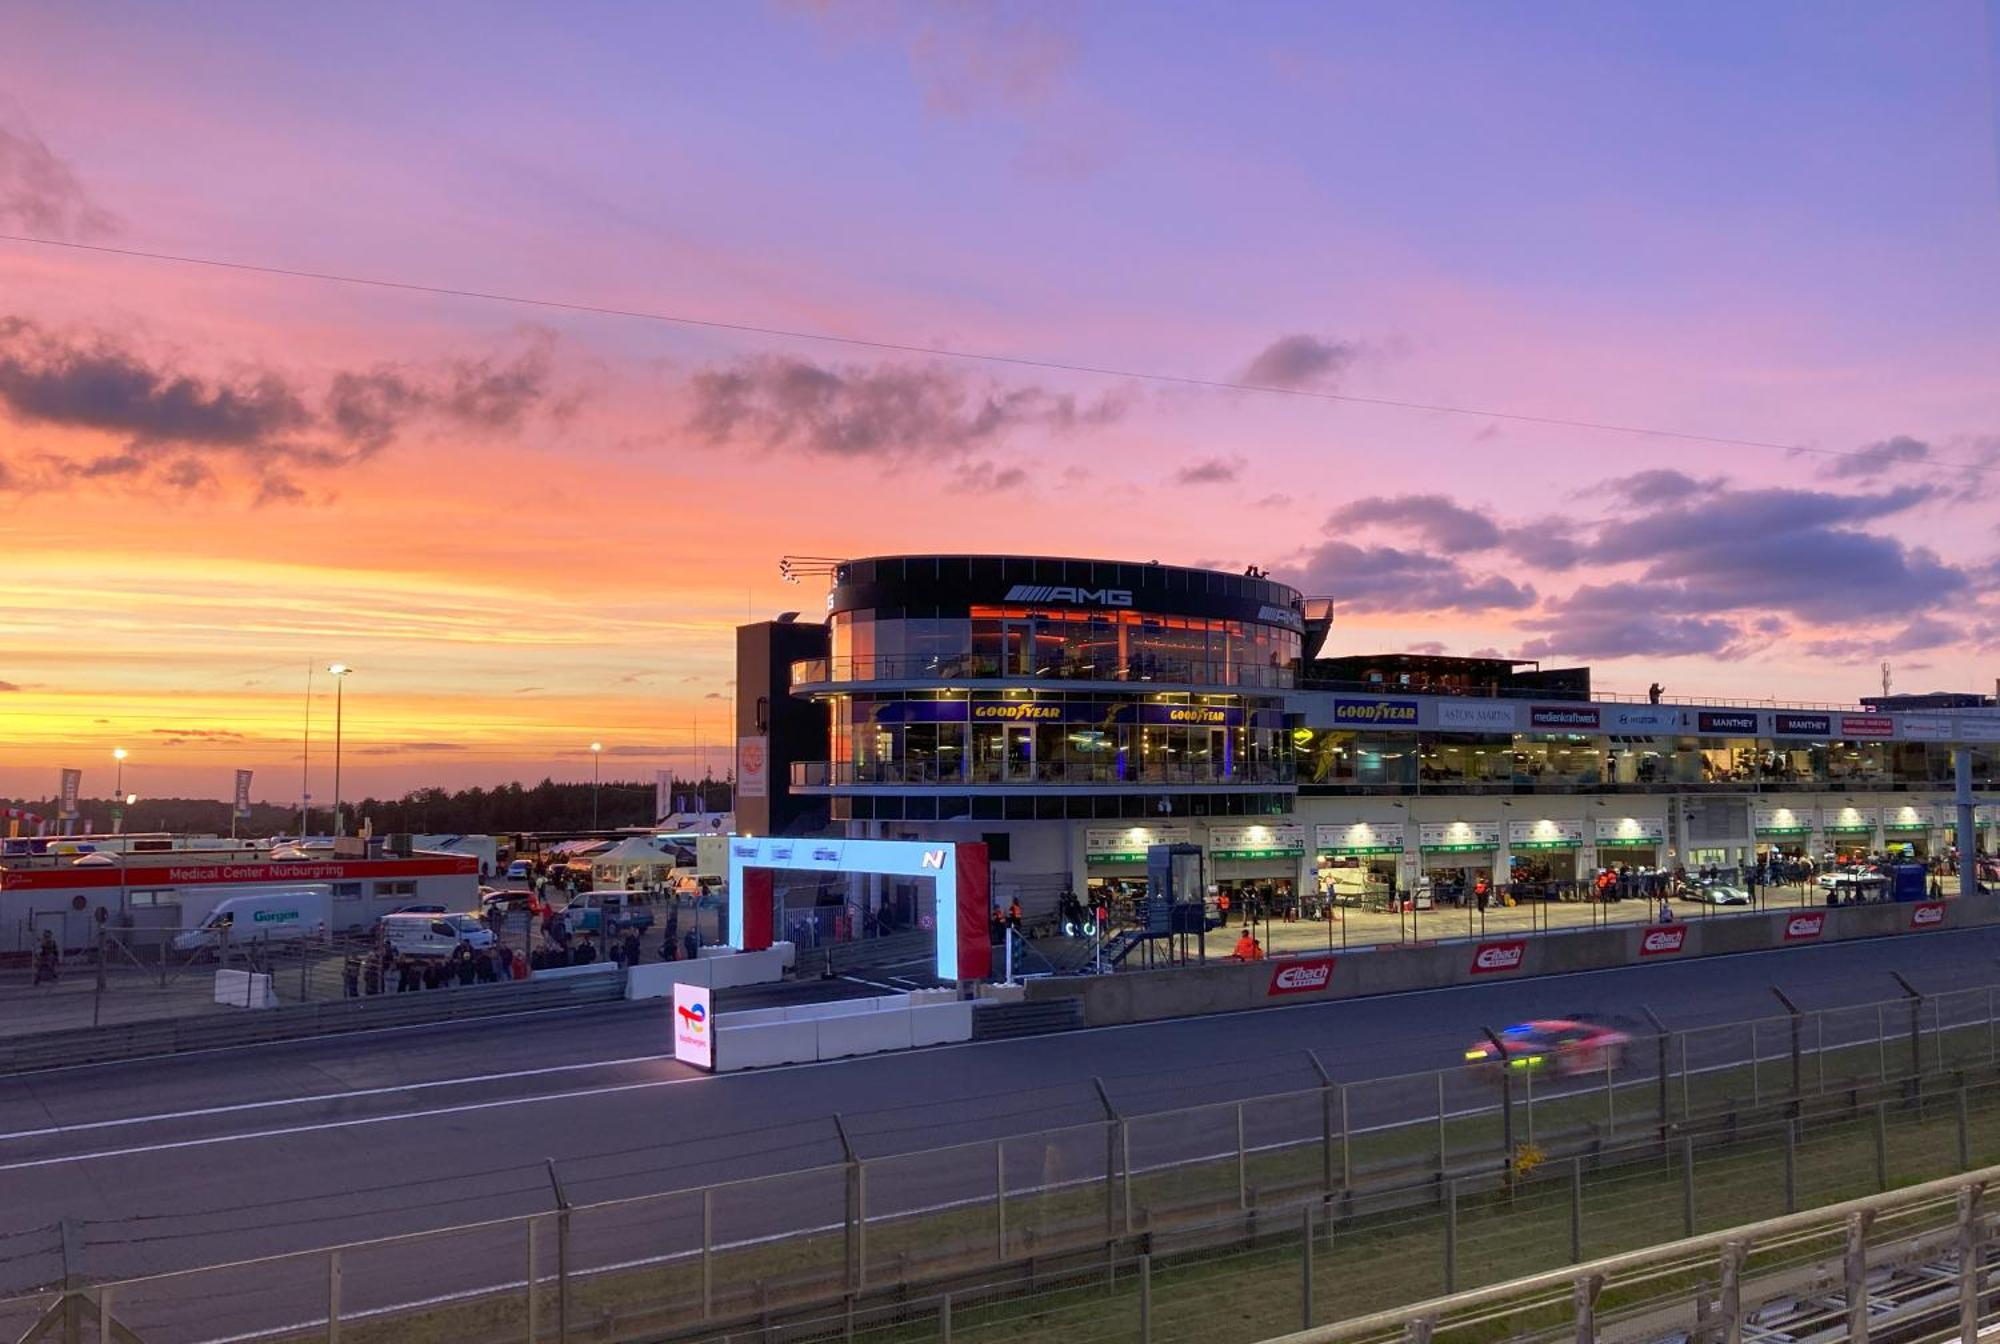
(693, 1016)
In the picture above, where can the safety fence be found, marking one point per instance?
(1406, 1186)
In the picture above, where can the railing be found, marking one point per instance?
(971, 667)
(1414, 1179)
(1545, 693)
(807, 774)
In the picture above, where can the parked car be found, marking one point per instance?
(520, 870)
(588, 912)
(1561, 1046)
(434, 935)
(1717, 893)
(269, 914)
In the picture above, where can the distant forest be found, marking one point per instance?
(547, 806)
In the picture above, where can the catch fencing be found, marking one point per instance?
(1119, 1218)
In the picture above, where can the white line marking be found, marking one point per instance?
(311, 1098)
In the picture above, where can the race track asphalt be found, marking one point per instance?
(197, 1159)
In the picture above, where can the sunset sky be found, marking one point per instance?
(530, 527)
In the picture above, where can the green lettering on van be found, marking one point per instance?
(273, 916)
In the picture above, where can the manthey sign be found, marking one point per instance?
(1458, 837)
(1727, 722)
(1544, 834)
(1802, 725)
(1782, 821)
(1362, 839)
(1631, 830)
(1256, 841)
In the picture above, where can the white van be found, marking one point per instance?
(434, 935)
(265, 914)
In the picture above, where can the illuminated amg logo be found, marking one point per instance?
(1083, 597)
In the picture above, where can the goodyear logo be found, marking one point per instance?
(1197, 714)
(1017, 712)
(1375, 711)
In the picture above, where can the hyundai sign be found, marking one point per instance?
(935, 860)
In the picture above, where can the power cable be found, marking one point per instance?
(969, 356)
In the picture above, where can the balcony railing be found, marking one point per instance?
(821, 774)
(969, 667)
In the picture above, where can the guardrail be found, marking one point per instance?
(1107, 1188)
(177, 1035)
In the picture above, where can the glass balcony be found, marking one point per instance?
(816, 672)
(839, 774)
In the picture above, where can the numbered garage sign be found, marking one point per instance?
(694, 1026)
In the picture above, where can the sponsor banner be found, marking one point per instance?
(1742, 722)
(1867, 725)
(1494, 958)
(1458, 837)
(1363, 837)
(1642, 718)
(1803, 927)
(1478, 716)
(920, 711)
(694, 1026)
(1300, 977)
(1927, 915)
(1802, 725)
(72, 784)
(1563, 716)
(1128, 844)
(1909, 817)
(155, 873)
(1256, 841)
(1545, 834)
(1975, 728)
(663, 795)
(753, 761)
(1104, 713)
(1951, 727)
(1631, 830)
(1214, 716)
(1783, 820)
(243, 793)
(1927, 727)
(1851, 820)
(1375, 713)
(1662, 940)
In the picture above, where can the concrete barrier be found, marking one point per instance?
(764, 1044)
(1191, 991)
(728, 969)
(807, 1032)
(595, 968)
(864, 1033)
(941, 1023)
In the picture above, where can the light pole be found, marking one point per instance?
(596, 748)
(338, 671)
(118, 792)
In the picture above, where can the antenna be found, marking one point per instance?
(1886, 676)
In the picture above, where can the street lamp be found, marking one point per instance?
(118, 812)
(338, 671)
(596, 748)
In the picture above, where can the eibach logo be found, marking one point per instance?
(1800, 927)
(1498, 957)
(1660, 941)
(1927, 916)
(1301, 977)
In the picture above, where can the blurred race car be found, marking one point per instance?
(1560, 1046)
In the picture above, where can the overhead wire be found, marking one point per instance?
(968, 356)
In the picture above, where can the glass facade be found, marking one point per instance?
(1059, 644)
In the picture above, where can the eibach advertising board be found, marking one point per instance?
(1803, 928)
(1927, 915)
(1663, 940)
(1495, 958)
(1300, 977)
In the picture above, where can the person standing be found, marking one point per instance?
(350, 977)
(632, 953)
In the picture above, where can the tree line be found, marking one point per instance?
(547, 806)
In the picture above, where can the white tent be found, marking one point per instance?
(638, 860)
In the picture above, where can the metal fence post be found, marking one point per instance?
(1346, 1149)
(1145, 1299)
(1855, 1276)
(1444, 1161)
(1881, 1145)
(860, 1226)
(1610, 1102)
(1964, 1131)
(1971, 1258)
(1000, 1198)
(1756, 1067)
(1791, 1166)
(333, 1297)
(1325, 1125)
(562, 1255)
(1450, 1237)
(708, 1252)
(944, 1319)
(1798, 1049)
(1662, 1041)
(1585, 1307)
(1732, 1292)
(1306, 1268)
(850, 1221)
(1242, 1163)
(1125, 1168)
(1528, 1091)
(1111, 1125)
(1687, 1186)
(534, 1306)
(1576, 1211)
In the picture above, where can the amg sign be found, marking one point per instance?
(1082, 597)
